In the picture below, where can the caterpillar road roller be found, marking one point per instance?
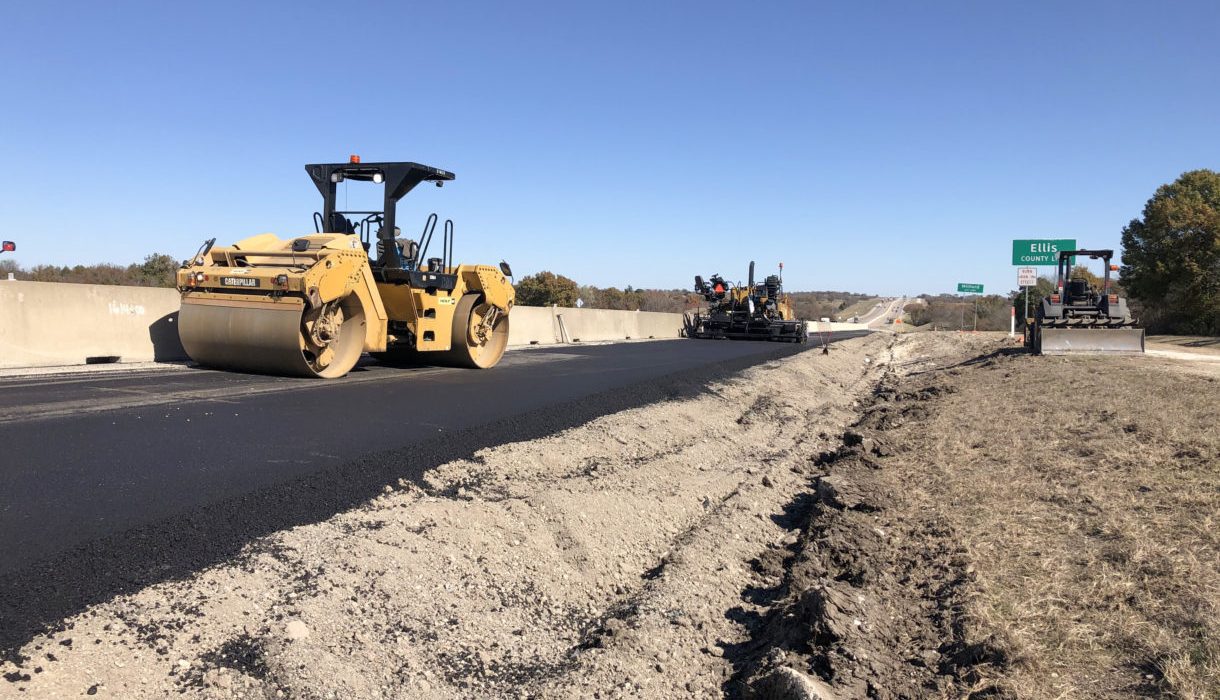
(310, 305)
(1077, 319)
(753, 312)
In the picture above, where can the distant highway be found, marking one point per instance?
(884, 313)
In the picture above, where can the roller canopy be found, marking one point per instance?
(399, 179)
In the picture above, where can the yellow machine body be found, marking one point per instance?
(750, 312)
(310, 306)
(740, 297)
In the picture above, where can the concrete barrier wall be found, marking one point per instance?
(47, 323)
(833, 326)
(533, 325)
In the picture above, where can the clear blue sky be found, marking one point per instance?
(883, 147)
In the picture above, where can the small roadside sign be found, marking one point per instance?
(1040, 251)
(965, 288)
(1027, 276)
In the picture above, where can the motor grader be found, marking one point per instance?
(1079, 319)
(753, 312)
(311, 305)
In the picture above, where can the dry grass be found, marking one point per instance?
(1090, 509)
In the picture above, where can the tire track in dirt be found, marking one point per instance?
(866, 601)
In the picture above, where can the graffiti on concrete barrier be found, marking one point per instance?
(121, 309)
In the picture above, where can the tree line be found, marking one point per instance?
(953, 312)
(546, 288)
(157, 270)
(542, 289)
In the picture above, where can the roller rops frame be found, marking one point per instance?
(311, 305)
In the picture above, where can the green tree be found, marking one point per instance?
(1171, 256)
(917, 313)
(157, 270)
(1084, 273)
(546, 288)
(621, 299)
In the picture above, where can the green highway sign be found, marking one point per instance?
(1040, 251)
(969, 288)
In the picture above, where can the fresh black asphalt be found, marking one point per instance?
(110, 481)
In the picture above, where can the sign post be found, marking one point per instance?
(1036, 251)
(1026, 277)
(967, 288)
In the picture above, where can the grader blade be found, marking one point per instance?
(1092, 341)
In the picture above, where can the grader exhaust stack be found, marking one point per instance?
(311, 305)
(1076, 319)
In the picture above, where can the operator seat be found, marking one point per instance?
(408, 249)
(1078, 289)
(340, 224)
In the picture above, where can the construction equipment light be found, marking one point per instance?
(355, 160)
(281, 280)
(336, 177)
(377, 178)
(9, 246)
(199, 277)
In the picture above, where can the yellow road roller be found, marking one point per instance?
(309, 306)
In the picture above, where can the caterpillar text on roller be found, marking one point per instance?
(311, 305)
